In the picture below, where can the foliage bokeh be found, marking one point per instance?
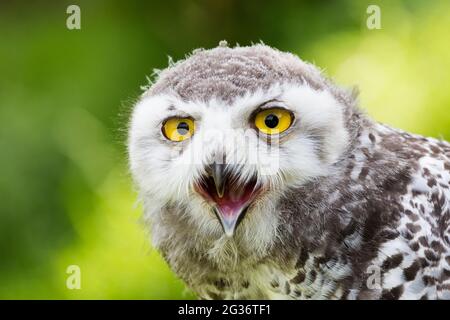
(66, 196)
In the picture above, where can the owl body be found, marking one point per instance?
(353, 209)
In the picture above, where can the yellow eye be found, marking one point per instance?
(273, 120)
(178, 129)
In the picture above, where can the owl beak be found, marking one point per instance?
(228, 198)
(229, 220)
(218, 175)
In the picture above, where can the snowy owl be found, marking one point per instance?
(262, 179)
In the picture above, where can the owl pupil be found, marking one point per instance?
(271, 121)
(182, 128)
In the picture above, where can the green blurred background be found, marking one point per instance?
(65, 95)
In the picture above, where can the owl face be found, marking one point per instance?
(222, 164)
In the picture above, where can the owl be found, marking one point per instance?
(262, 179)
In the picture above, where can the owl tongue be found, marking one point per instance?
(230, 199)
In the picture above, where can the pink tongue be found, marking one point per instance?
(230, 205)
(230, 209)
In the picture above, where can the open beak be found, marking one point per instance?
(229, 198)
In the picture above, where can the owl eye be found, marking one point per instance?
(273, 120)
(178, 129)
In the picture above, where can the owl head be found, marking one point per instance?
(218, 139)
